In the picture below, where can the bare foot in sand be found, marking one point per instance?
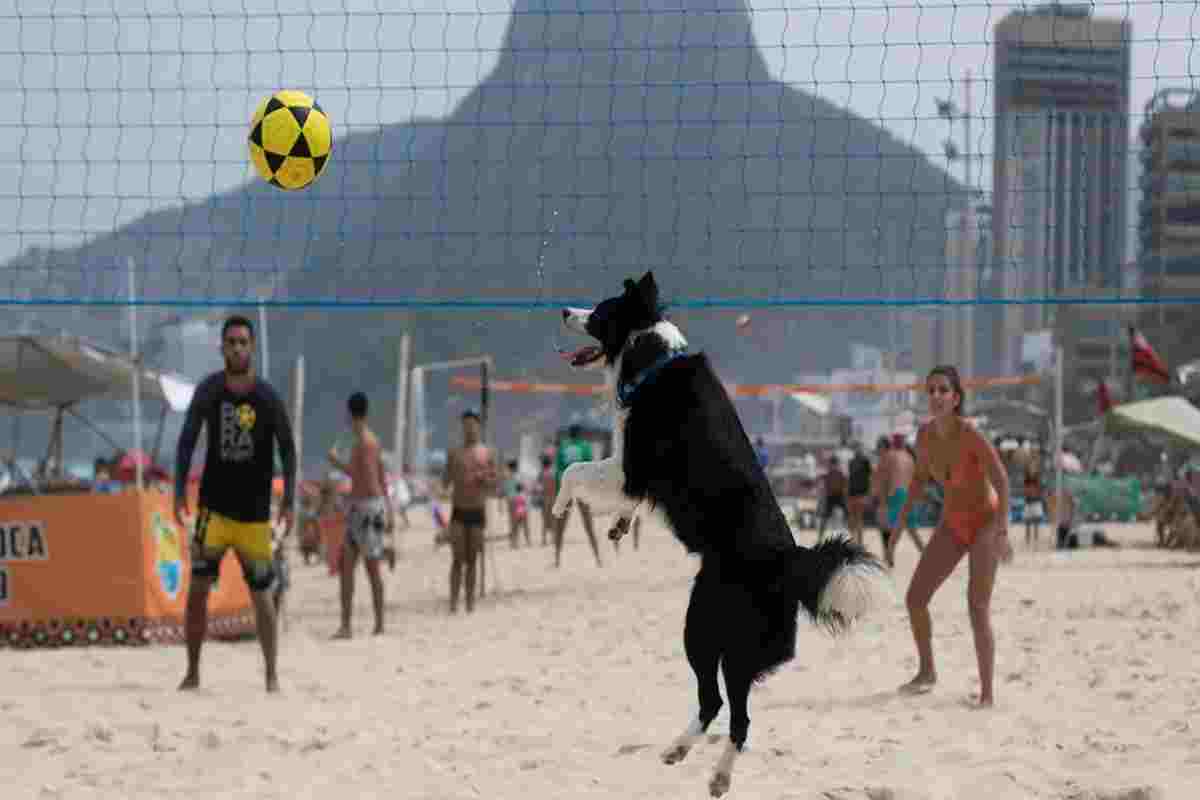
(272, 684)
(190, 683)
(342, 633)
(378, 631)
(922, 684)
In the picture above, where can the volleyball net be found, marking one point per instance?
(936, 181)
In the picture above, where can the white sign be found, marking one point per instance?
(865, 357)
(1037, 350)
(3, 586)
(23, 541)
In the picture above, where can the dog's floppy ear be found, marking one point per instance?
(648, 290)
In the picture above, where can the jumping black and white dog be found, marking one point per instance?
(679, 447)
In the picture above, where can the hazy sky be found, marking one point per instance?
(98, 127)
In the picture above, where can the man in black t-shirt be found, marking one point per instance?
(834, 494)
(858, 489)
(245, 419)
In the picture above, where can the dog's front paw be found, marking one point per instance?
(619, 529)
(561, 504)
(675, 753)
(720, 783)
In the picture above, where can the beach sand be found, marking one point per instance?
(568, 684)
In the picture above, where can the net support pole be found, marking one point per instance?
(1058, 435)
(136, 372)
(483, 398)
(262, 337)
(402, 401)
(417, 416)
(298, 435)
(486, 366)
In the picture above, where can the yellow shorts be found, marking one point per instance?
(250, 540)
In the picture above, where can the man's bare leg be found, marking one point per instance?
(376, 580)
(586, 514)
(474, 549)
(889, 540)
(912, 532)
(264, 619)
(457, 558)
(280, 599)
(481, 563)
(389, 550)
(346, 577)
(855, 514)
(195, 627)
(560, 530)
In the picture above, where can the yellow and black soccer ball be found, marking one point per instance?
(291, 139)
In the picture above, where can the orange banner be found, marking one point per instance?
(92, 568)
(473, 384)
(526, 387)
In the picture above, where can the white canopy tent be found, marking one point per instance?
(1173, 416)
(40, 372)
(55, 372)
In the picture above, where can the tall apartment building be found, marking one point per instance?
(961, 339)
(1061, 142)
(1169, 220)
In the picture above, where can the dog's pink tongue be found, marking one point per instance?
(580, 356)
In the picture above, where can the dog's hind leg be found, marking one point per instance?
(704, 656)
(738, 681)
(624, 523)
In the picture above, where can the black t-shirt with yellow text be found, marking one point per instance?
(240, 462)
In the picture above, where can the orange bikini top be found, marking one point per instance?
(966, 469)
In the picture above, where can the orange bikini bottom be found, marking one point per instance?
(965, 524)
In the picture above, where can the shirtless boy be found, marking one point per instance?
(369, 516)
(471, 476)
(896, 467)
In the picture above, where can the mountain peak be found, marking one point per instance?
(647, 40)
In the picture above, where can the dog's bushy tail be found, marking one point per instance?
(839, 582)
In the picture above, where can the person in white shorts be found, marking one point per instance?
(369, 518)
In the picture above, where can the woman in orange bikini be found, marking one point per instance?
(975, 490)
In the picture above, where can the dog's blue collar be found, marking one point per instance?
(627, 389)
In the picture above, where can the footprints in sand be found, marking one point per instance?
(868, 793)
(1128, 793)
(44, 737)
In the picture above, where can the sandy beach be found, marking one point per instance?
(568, 683)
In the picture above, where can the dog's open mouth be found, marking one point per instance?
(583, 356)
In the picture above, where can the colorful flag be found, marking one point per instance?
(1146, 364)
(1103, 397)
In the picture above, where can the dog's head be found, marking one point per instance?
(613, 321)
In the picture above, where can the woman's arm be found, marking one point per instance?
(995, 470)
